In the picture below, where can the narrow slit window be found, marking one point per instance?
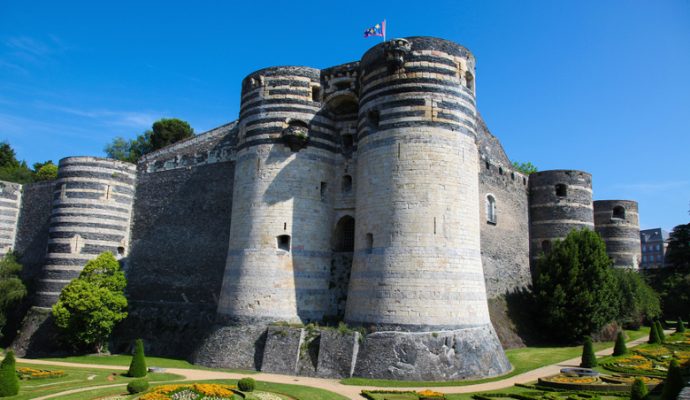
(469, 80)
(284, 242)
(561, 190)
(491, 209)
(618, 212)
(370, 243)
(316, 93)
(324, 191)
(347, 184)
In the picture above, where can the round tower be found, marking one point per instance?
(617, 222)
(560, 201)
(279, 255)
(92, 207)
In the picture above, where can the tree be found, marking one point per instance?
(680, 326)
(660, 331)
(167, 131)
(678, 252)
(654, 334)
(12, 289)
(638, 391)
(620, 348)
(575, 286)
(638, 301)
(163, 133)
(9, 382)
(674, 381)
(8, 158)
(137, 368)
(525, 167)
(90, 306)
(589, 359)
(46, 171)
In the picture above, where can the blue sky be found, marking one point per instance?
(601, 86)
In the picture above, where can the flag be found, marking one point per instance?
(376, 30)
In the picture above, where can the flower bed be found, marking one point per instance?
(402, 395)
(196, 391)
(33, 373)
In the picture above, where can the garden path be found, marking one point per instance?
(333, 385)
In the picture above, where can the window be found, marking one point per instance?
(284, 242)
(370, 243)
(561, 190)
(373, 116)
(488, 165)
(644, 259)
(469, 80)
(500, 170)
(345, 234)
(348, 142)
(618, 212)
(490, 209)
(324, 191)
(315, 93)
(346, 186)
(658, 247)
(546, 246)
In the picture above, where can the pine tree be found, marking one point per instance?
(137, 368)
(639, 390)
(680, 326)
(674, 382)
(660, 330)
(589, 359)
(9, 382)
(654, 335)
(620, 348)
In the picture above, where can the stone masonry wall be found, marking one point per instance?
(10, 203)
(618, 223)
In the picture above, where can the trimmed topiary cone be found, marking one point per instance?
(680, 326)
(137, 368)
(589, 359)
(638, 391)
(674, 382)
(660, 329)
(620, 348)
(9, 381)
(654, 335)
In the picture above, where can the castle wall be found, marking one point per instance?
(278, 266)
(32, 231)
(617, 221)
(417, 261)
(179, 242)
(92, 205)
(560, 201)
(505, 237)
(10, 203)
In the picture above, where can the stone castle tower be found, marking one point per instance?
(370, 193)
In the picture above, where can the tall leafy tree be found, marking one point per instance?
(13, 170)
(90, 306)
(638, 301)
(12, 289)
(679, 247)
(164, 132)
(575, 287)
(168, 131)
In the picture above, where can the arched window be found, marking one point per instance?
(561, 190)
(346, 186)
(469, 80)
(490, 209)
(618, 212)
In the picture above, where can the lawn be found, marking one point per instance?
(75, 378)
(523, 359)
(122, 360)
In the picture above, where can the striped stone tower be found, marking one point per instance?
(92, 206)
(10, 202)
(618, 223)
(560, 201)
(417, 275)
(280, 253)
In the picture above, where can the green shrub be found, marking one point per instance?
(660, 330)
(680, 326)
(589, 359)
(654, 335)
(674, 382)
(620, 348)
(137, 386)
(639, 390)
(246, 384)
(137, 368)
(9, 381)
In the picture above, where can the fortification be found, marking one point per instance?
(617, 222)
(370, 193)
(560, 201)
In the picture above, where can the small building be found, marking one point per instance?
(654, 244)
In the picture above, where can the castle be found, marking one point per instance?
(370, 192)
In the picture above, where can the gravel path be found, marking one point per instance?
(333, 385)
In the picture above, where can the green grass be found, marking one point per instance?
(122, 360)
(293, 391)
(76, 378)
(522, 359)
